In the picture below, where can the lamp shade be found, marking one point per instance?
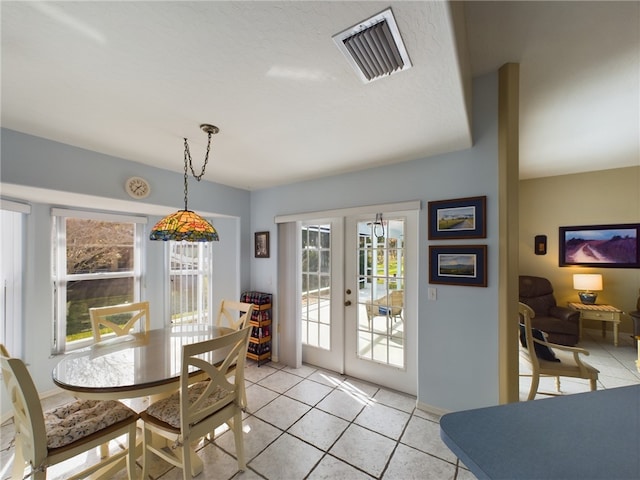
(184, 225)
(587, 281)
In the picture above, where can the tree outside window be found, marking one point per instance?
(96, 264)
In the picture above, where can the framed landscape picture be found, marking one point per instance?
(458, 218)
(458, 265)
(608, 246)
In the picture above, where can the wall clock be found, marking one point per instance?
(137, 187)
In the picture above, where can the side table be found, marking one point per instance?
(603, 313)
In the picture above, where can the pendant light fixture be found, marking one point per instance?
(185, 225)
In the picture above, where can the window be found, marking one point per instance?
(316, 285)
(12, 261)
(190, 267)
(96, 262)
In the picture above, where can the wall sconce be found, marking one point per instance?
(588, 283)
(540, 245)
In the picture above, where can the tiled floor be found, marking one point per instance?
(312, 424)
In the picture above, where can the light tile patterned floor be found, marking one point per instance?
(312, 424)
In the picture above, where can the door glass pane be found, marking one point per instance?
(316, 290)
(381, 270)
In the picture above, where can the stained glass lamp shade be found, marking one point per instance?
(184, 225)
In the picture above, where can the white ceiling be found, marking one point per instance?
(131, 79)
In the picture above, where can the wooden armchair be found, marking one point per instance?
(550, 359)
(47, 438)
(389, 305)
(120, 319)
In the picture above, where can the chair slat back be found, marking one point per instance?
(135, 313)
(214, 358)
(230, 314)
(28, 416)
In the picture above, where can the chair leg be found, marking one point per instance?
(239, 440)
(146, 440)
(558, 384)
(535, 379)
(18, 460)
(131, 453)
(594, 384)
(244, 399)
(186, 460)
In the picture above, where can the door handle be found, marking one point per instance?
(347, 303)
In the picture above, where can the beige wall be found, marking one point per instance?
(594, 198)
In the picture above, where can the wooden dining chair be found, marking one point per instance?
(550, 359)
(47, 438)
(234, 315)
(200, 405)
(119, 319)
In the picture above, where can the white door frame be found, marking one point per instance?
(401, 379)
(289, 259)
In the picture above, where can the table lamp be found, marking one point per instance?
(587, 282)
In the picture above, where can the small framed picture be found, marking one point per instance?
(261, 240)
(458, 265)
(458, 218)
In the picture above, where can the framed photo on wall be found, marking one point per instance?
(458, 265)
(261, 242)
(458, 218)
(607, 246)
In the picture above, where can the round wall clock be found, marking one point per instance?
(137, 187)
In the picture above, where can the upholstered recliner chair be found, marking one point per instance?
(562, 324)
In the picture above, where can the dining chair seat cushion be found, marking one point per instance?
(167, 410)
(74, 421)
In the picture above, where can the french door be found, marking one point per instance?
(358, 294)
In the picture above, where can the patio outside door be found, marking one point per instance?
(358, 291)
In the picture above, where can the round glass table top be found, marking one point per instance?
(131, 365)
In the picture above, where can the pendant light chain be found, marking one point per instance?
(187, 155)
(185, 225)
(186, 184)
(210, 130)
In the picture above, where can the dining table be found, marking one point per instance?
(142, 364)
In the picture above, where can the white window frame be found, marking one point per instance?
(11, 312)
(60, 278)
(204, 248)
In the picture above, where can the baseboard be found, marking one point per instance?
(50, 393)
(431, 409)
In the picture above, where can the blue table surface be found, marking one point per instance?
(594, 435)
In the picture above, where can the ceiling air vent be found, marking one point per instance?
(374, 47)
